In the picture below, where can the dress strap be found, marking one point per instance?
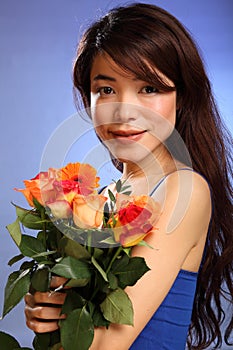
(101, 189)
(164, 177)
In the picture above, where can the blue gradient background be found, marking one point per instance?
(37, 46)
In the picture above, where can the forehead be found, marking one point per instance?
(105, 67)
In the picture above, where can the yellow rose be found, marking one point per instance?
(88, 210)
(60, 209)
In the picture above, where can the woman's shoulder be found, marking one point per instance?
(185, 182)
(186, 200)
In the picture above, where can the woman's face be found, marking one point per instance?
(130, 116)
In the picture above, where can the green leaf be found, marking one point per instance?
(125, 188)
(98, 253)
(117, 307)
(128, 274)
(15, 259)
(29, 218)
(27, 265)
(17, 286)
(81, 282)
(8, 342)
(77, 331)
(56, 346)
(55, 338)
(127, 251)
(118, 186)
(37, 205)
(70, 267)
(44, 254)
(145, 244)
(74, 249)
(31, 246)
(110, 241)
(41, 341)
(73, 233)
(41, 236)
(73, 301)
(99, 268)
(127, 193)
(15, 232)
(97, 316)
(47, 341)
(41, 279)
(111, 196)
(113, 281)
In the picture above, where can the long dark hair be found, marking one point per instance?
(139, 37)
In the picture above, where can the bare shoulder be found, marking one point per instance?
(186, 202)
(191, 181)
(185, 185)
(192, 184)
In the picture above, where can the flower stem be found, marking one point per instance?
(89, 238)
(113, 259)
(42, 214)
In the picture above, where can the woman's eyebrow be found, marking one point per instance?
(103, 77)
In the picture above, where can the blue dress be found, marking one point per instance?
(168, 327)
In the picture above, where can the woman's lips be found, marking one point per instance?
(129, 135)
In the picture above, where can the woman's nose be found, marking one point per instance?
(125, 112)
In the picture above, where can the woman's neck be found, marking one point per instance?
(143, 176)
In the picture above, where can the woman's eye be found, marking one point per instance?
(106, 90)
(149, 90)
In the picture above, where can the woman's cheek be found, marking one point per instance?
(101, 132)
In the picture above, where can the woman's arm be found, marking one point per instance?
(181, 247)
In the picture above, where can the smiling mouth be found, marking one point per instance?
(133, 135)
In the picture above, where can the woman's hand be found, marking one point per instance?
(43, 310)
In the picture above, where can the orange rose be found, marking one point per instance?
(79, 177)
(40, 187)
(135, 218)
(88, 210)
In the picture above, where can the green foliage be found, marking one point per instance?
(97, 270)
(70, 267)
(73, 301)
(111, 196)
(17, 286)
(121, 187)
(15, 232)
(29, 218)
(15, 259)
(117, 307)
(77, 332)
(8, 342)
(31, 247)
(72, 248)
(129, 270)
(47, 341)
(41, 278)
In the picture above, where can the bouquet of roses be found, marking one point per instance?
(86, 238)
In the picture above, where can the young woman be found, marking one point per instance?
(143, 83)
